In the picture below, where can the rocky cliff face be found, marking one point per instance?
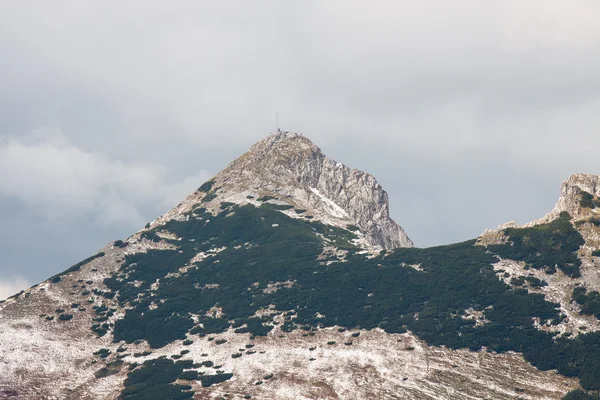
(571, 192)
(291, 169)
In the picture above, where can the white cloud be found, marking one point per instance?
(56, 178)
(11, 286)
(202, 71)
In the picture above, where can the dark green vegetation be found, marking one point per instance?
(189, 375)
(154, 380)
(206, 186)
(100, 326)
(277, 206)
(545, 246)
(589, 201)
(76, 267)
(208, 197)
(361, 293)
(581, 395)
(120, 244)
(266, 198)
(296, 239)
(590, 302)
(102, 353)
(110, 369)
(530, 281)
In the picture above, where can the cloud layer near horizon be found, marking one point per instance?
(469, 114)
(56, 178)
(11, 286)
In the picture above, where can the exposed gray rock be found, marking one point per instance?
(293, 170)
(55, 359)
(289, 164)
(570, 196)
(560, 286)
(571, 191)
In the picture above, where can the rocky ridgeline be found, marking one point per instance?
(571, 193)
(58, 338)
(558, 288)
(291, 169)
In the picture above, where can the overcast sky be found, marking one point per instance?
(469, 113)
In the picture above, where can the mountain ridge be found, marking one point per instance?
(268, 282)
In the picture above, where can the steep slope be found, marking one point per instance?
(287, 168)
(269, 282)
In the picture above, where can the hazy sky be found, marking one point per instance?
(469, 113)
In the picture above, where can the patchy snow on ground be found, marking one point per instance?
(559, 290)
(329, 364)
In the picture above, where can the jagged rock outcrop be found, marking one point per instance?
(571, 191)
(559, 287)
(290, 168)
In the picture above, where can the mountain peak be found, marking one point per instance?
(579, 197)
(289, 169)
(572, 191)
(279, 139)
(577, 183)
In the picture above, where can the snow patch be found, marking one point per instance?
(333, 209)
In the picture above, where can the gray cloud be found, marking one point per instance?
(12, 286)
(55, 178)
(55, 191)
(468, 113)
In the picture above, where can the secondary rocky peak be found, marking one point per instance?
(572, 191)
(574, 186)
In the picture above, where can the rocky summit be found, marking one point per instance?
(283, 277)
(288, 168)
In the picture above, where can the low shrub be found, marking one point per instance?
(581, 395)
(102, 353)
(209, 380)
(154, 380)
(189, 375)
(206, 186)
(266, 198)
